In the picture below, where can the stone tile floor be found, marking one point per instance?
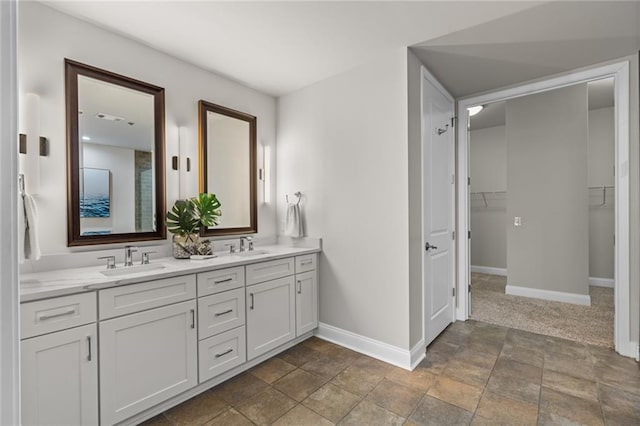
(475, 373)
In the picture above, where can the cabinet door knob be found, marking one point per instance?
(251, 305)
(193, 318)
(299, 287)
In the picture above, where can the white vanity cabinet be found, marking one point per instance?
(271, 317)
(221, 320)
(149, 356)
(59, 361)
(306, 302)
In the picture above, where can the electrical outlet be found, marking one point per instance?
(517, 221)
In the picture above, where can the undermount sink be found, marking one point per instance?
(128, 270)
(251, 253)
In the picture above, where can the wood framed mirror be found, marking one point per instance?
(115, 157)
(227, 154)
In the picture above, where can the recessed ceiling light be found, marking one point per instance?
(86, 138)
(474, 110)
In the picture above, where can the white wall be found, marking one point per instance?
(47, 36)
(601, 218)
(488, 171)
(547, 136)
(121, 164)
(342, 142)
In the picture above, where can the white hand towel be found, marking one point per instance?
(31, 243)
(21, 228)
(293, 222)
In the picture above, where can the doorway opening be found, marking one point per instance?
(619, 193)
(541, 210)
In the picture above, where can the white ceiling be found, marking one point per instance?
(279, 47)
(98, 97)
(543, 40)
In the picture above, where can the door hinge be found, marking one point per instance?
(454, 120)
(469, 180)
(453, 235)
(469, 235)
(454, 292)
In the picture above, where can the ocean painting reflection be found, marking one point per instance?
(95, 197)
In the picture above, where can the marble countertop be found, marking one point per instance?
(44, 285)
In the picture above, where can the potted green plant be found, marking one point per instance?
(186, 218)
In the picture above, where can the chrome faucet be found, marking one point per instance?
(244, 240)
(128, 251)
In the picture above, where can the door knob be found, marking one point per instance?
(428, 246)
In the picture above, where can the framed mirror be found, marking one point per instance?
(115, 157)
(227, 152)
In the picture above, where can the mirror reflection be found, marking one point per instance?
(227, 164)
(116, 191)
(116, 147)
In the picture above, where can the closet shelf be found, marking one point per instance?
(483, 195)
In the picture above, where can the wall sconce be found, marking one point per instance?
(266, 173)
(31, 144)
(184, 167)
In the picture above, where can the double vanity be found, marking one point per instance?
(100, 347)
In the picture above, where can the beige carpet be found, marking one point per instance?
(586, 324)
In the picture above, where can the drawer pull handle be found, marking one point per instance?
(308, 262)
(224, 353)
(61, 314)
(251, 296)
(89, 348)
(193, 318)
(226, 280)
(299, 287)
(219, 314)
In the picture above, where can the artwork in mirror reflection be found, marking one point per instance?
(95, 193)
(228, 168)
(116, 144)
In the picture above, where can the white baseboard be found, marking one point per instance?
(489, 270)
(556, 296)
(602, 282)
(418, 353)
(630, 349)
(374, 348)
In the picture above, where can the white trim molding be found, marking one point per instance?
(390, 354)
(602, 282)
(489, 270)
(9, 292)
(620, 71)
(556, 296)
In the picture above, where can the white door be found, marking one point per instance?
(60, 378)
(271, 317)
(146, 358)
(306, 302)
(438, 186)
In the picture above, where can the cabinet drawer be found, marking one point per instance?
(220, 280)
(221, 353)
(220, 312)
(46, 316)
(151, 294)
(265, 271)
(306, 263)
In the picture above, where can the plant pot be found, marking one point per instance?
(185, 246)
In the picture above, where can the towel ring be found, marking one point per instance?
(297, 194)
